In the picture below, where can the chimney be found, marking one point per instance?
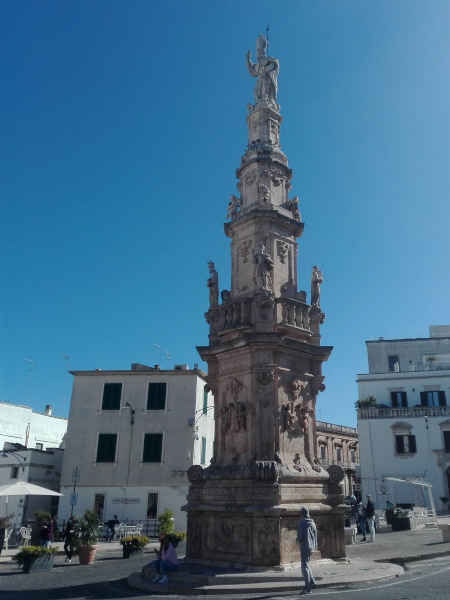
(48, 410)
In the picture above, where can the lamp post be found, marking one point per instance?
(132, 413)
(75, 480)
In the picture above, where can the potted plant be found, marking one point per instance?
(35, 558)
(132, 544)
(167, 528)
(87, 536)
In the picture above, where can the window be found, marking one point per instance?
(446, 440)
(14, 472)
(433, 398)
(205, 399)
(405, 444)
(323, 451)
(39, 446)
(203, 453)
(394, 364)
(106, 447)
(112, 393)
(399, 399)
(353, 455)
(152, 448)
(338, 454)
(99, 505)
(152, 506)
(156, 399)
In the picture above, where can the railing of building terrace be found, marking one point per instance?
(332, 428)
(381, 412)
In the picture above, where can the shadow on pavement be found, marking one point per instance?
(103, 590)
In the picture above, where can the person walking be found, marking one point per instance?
(44, 534)
(370, 516)
(362, 521)
(307, 539)
(69, 539)
(111, 524)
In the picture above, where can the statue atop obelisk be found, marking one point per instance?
(264, 368)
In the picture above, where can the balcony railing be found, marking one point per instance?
(344, 464)
(381, 412)
(332, 428)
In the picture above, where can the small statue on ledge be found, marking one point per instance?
(213, 285)
(316, 280)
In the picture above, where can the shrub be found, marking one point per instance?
(364, 402)
(166, 522)
(135, 542)
(32, 552)
(88, 529)
(42, 516)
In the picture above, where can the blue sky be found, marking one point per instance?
(122, 126)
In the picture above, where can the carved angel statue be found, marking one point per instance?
(264, 268)
(316, 280)
(266, 71)
(233, 208)
(213, 285)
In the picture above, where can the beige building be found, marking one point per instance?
(339, 445)
(131, 437)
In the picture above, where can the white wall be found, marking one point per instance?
(15, 421)
(378, 459)
(171, 497)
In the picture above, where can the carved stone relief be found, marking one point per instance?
(244, 250)
(264, 193)
(282, 249)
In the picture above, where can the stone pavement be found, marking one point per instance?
(103, 549)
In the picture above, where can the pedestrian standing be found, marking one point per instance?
(44, 534)
(307, 539)
(362, 521)
(69, 539)
(370, 516)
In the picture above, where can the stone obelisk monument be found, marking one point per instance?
(264, 368)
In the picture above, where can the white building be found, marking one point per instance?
(132, 435)
(404, 417)
(21, 425)
(41, 467)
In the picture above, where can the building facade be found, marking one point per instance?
(41, 467)
(22, 425)
(132, 435)
(404, 418)
(338, 445)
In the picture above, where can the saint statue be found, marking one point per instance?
(316, 280)
(266, 71)
(213, 285)
(264, 268)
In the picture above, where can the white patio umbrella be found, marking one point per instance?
(23, 488)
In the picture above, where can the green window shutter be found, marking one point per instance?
(203, 454)
(447, 441)
(106, 447)
(404, 400)
(152, 448)
(400, 444)
(112, 393)
(442, 399)
(424, 398)
(394, 401)
(156, 399)
(205, 400)
(412, 444)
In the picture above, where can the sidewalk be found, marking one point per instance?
(103, 549)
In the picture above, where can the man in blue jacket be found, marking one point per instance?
(307, 538)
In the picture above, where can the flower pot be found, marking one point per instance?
(38, 563)
(86, 554)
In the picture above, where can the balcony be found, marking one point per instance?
(324, 427)
(385, 412)
(345, 465)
